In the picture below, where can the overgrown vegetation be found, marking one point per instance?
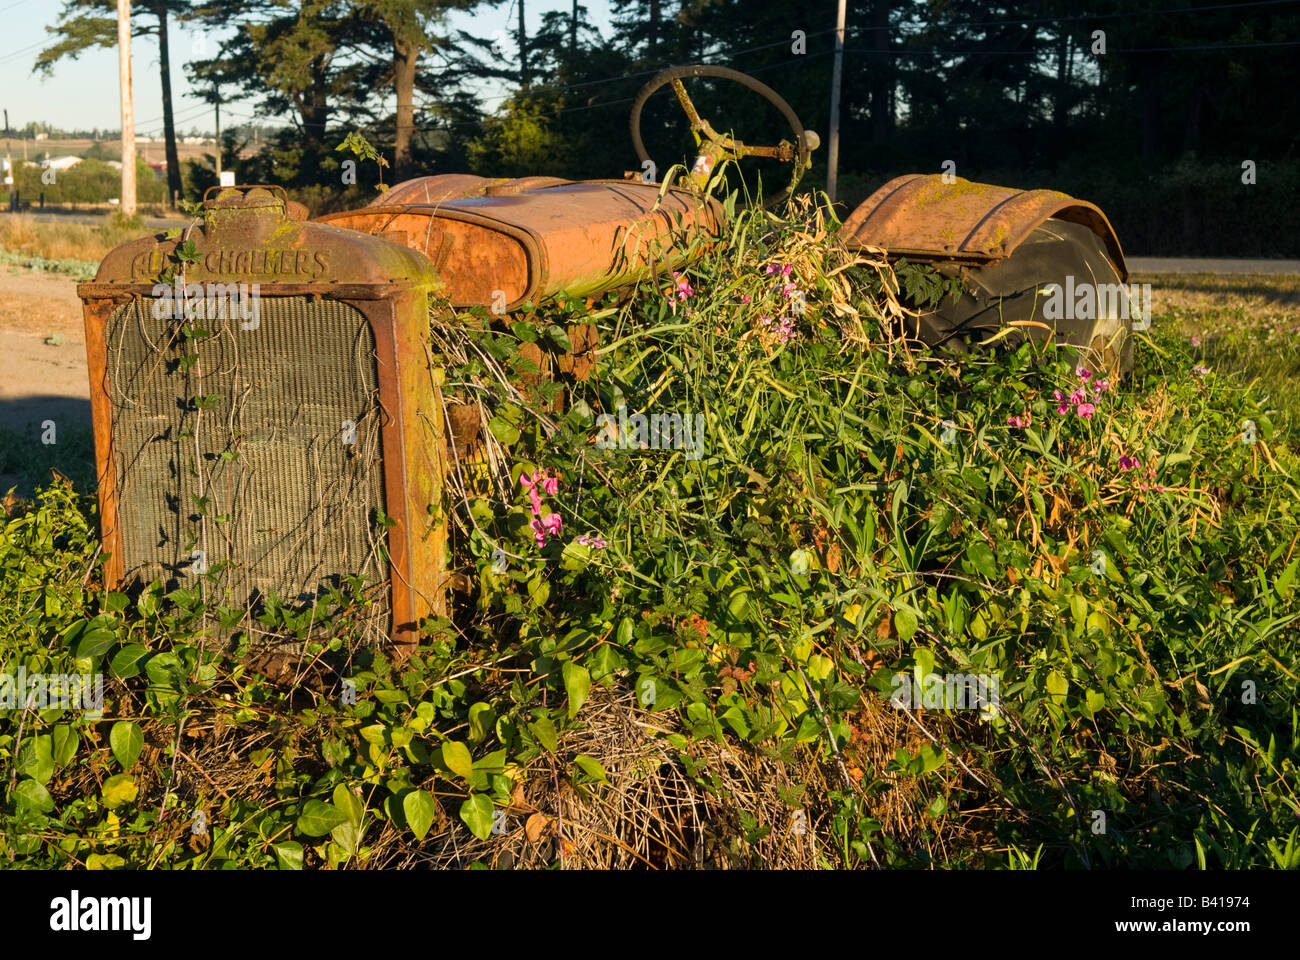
(683, 654)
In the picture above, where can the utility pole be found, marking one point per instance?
(523, 47)
(128, 107)
(833, 150)
(217, 104)
(10, 180)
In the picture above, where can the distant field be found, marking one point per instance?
(77, 148)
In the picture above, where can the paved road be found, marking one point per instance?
(1200, 265)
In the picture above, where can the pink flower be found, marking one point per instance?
(551, 485)
(1200, 369)
(592, 540)
(541, 526)
(745, 298)
(1196, 341)
(1086, 410)
(1063, 405)
(1128, 463)
(682, 287)
(789, 289)
(784, 270)
(1078, 396)
(1101, 386)
(1082, 374)
(539, 532)
(535, 502)
(1024, 421)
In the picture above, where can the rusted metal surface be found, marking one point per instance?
(922, 218)
(501, 243)
(249, 235)
(457, 186)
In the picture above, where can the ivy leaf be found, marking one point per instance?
(127, 741)
(288, 854)
(481, 719)
(32, 796)
(505, 431)
(591, 767)
(476, 812)
(126, 662)
(319, 818)
(982, 560)
(36, 758)
(118, 790)
(420, 809)
(544, 731)
(457, 758)
(1057, 685)
(66, 742)
(577, 684)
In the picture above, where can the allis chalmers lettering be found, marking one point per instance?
(243, 263)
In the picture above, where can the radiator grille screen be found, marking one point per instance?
(253, 451)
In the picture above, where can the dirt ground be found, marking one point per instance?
(41, 380)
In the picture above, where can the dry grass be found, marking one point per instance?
(58, 241)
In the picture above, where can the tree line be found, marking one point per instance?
(1096, 94)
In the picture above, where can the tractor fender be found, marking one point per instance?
(920, 217)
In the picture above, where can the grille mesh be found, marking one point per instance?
(264, 453)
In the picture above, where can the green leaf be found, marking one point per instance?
(319, 818)
(457, 758)
(32, 796)
(104, 861)
(982, 560)
(126, 662)
(544, 731)
(577, 684)
(476, 812)
(36, 758)
(288, 854)
(1057, 684)
(118, 790)
(420, 809)
(127, 741)
(507, 433)
(348, 803)
(481, 719)
(591, 767)
(94, 642)
(905, 623)
(66, 741)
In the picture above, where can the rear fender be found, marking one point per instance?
(922, 218)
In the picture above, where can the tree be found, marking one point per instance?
(411, 28)
(84, 24)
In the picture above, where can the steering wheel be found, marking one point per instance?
(715, 147)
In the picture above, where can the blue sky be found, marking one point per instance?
(83, 93)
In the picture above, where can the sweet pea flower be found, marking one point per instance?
(1200, 369)
(1086, 410)
(1082, 374)
(1128, 463)
(592, 540)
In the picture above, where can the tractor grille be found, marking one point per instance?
(255, 451)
